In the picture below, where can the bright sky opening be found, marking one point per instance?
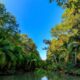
(36, 18)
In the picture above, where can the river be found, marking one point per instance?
(31, 76)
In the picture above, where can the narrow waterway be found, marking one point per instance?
(31, 76)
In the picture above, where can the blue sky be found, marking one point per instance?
(36, 18)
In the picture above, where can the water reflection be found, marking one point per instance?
(31, 76)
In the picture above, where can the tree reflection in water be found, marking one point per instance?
(31, 76)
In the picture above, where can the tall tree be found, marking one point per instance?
(17, 51)
(65, 42)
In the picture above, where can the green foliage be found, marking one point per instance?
(17, 51)
(64, 50)
(40, 71)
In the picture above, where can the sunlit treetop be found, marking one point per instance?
(67, 3)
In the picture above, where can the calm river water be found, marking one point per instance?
(31, 76)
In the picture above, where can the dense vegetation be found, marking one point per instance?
(17, 51)
(64, 49)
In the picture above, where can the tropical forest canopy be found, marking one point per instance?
(64, 48)
(19, 52)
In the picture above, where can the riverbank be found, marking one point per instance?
(42, 72)
(34, 76)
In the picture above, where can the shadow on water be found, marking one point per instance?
(31, 76)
